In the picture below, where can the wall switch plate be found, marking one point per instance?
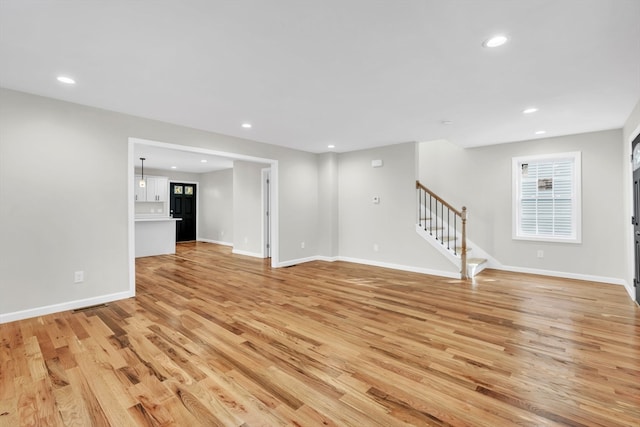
(376, 248)
(302, 245)
(540, 254)
(78, 277)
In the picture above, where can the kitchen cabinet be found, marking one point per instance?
(155, 190)
(140, 192)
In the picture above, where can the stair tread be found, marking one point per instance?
(433, 228)
(476, 261)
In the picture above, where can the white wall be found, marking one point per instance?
(630, 131)
(247, 208)
(390, 224)
(480, 178)
(73, 160)
(328, 205)
(302, 218)
(216, 206)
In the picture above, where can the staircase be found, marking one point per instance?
(445, 228)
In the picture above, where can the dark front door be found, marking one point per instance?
(636, 214)
(183, 205)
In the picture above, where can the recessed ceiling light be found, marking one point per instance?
(495, 41)
(529, 110)
(203, 161)
(174, 167)
(66, 80)
(331, 146)
(246, 125)
(541, 132)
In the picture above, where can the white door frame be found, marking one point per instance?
(266, 212)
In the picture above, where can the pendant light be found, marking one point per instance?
(142, 182)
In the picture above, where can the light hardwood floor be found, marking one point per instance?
(214, 339)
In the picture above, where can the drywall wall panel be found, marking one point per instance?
(383, 232)
(328, 204)
(247, 207)
(216, 206)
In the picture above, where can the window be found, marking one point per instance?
(546, 198)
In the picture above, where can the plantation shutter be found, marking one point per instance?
(547, 206)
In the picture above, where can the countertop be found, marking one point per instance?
(150, 219)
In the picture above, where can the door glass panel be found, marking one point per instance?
(177, 189)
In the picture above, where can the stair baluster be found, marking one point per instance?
(436, 206)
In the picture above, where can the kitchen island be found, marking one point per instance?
(155, 236)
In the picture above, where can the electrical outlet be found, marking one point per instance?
(302, 245)
(376, 248)
(540, 254)
(78, 277)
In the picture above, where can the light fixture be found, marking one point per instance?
(246, 125)
(174, 167)
(541, 132)
(331, 146)
(141, 183)
(203, 161)
(529, 110)
(495, 41)
(66, 80)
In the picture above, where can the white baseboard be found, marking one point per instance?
(410, 268)
(308, 259)
(630, 290)
(392, 266)
(564, 275)
(217, 242)
(455, 275)
(70, 305)
(247, 253)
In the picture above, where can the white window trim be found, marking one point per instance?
(576, 202)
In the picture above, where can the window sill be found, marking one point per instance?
(549, 239)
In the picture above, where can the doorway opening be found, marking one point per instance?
(635, 149)
(266, 213)
(182, 149)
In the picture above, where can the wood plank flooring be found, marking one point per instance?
(214, 339)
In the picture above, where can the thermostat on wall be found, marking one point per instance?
(376, 163)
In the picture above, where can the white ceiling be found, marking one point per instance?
(354, 73)
(178, 160)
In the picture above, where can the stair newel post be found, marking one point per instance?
(463, 254)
